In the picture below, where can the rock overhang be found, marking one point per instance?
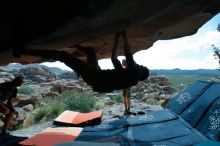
(59, 25)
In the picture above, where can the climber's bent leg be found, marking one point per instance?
(74, 63)
(90, 54)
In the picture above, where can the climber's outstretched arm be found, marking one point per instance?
(126, 44)
(128, 55)
(115, 46)
(116, 63)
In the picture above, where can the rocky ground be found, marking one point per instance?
(145, 97)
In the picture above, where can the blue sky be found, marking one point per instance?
(190, 52)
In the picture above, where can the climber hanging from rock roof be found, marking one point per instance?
(101, 80)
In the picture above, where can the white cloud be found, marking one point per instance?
(191, 52)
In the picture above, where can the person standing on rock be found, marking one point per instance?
(126, 93)
(8, 91)
(103, 81)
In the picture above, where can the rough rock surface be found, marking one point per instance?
(60, 25)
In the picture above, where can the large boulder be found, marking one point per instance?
(38, 74)
(22, 100)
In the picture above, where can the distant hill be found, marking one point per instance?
(17, 66)
(206, 72)
(177, 71)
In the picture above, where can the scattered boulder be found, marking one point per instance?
(5, 77)
(20, 119)
(28, 121)
(68, 75)
(23, 100)
(61, 85)
(37, 74)
(28, 108)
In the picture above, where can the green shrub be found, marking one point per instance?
(15, 73)
(82, 102)
(117, 98)
(40, 114)
(99, 106)
(47, 112)
(25, 89)
(69, 100)
(55, 109)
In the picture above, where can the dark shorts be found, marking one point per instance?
(130, 61)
